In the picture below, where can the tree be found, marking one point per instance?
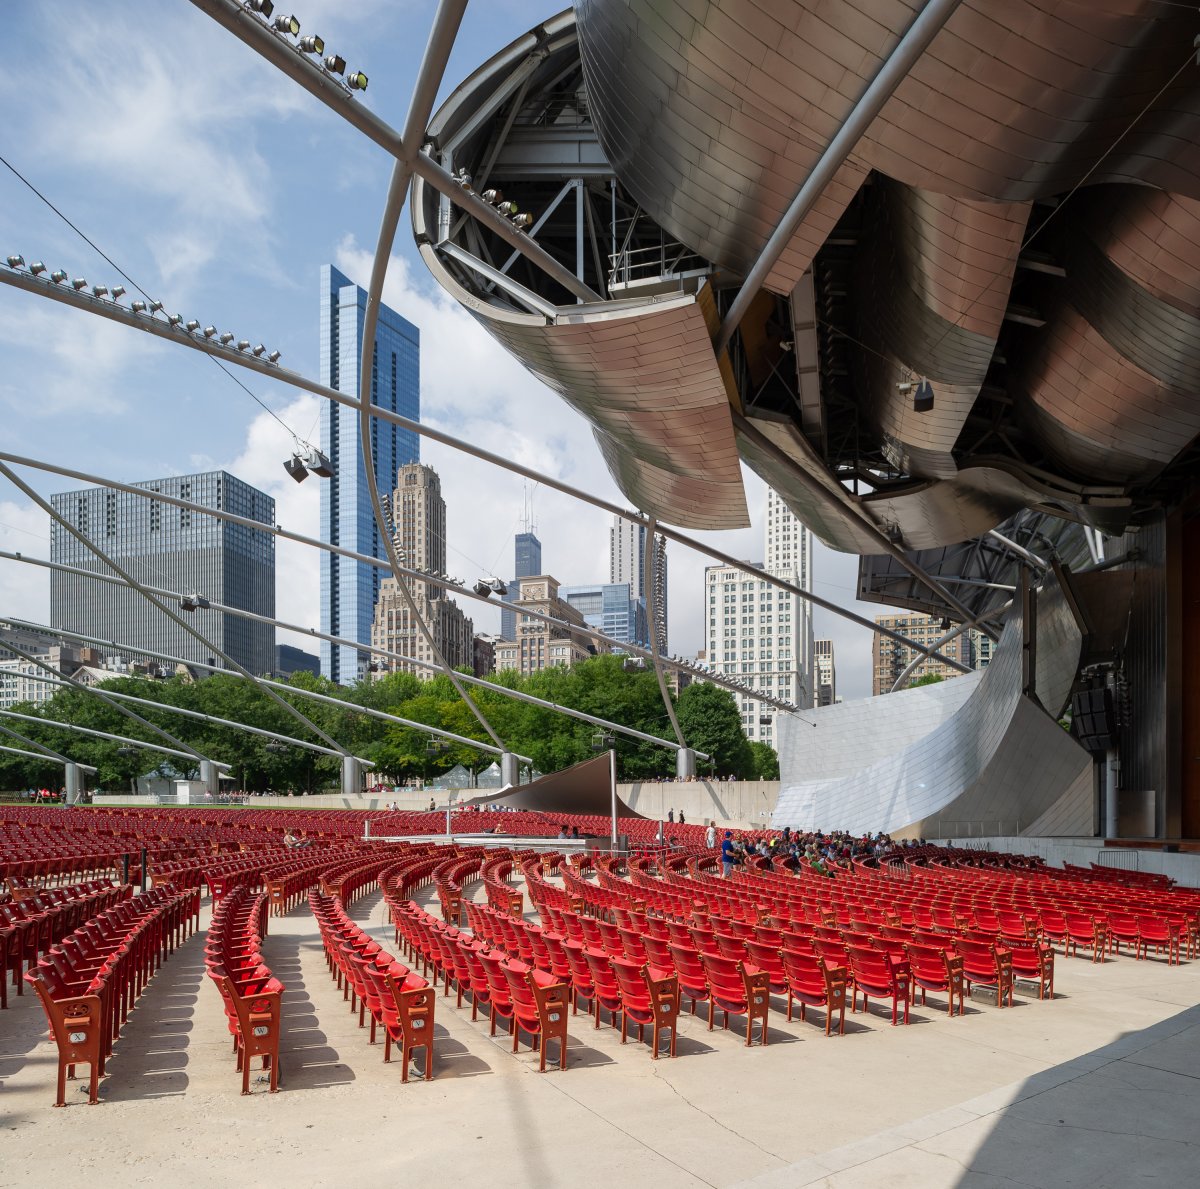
(927, 679)
(764, 762)
(710, 721)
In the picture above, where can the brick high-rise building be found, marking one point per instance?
(889, 658)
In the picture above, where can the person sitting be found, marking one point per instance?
(574, 831)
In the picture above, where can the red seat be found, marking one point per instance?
(813, 982)
(739, 988)
(649, 995)
(539, 1008)
(933, 969)
(1034, 962)
(881, 975)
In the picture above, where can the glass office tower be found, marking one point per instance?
(349, 588)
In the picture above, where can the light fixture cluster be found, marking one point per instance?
(305, 459)
(146, 309)
(490, 586)
(289, 27)
(521, 220)
(192, 601)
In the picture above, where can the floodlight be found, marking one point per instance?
(16, 262)
(507, 208)
(225, 339)
(266, 7)
(274, 356)
(492, 196)
(175, 319)
(259, 349)
(312, 45)
(318, 463)
(37, 267)
(191, 326)
(99, 290)
(357, 81)
(58, 276)
(155, 306)
(118, 292)
(209, 331)
(79, 283)
(336, 63)
(243, 344)
(296, 468)
(523, 220)
(287, 25)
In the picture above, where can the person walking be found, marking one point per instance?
(710, 836)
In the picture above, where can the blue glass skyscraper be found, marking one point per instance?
(527, 563)
(349, 588)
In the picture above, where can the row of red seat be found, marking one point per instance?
(89, 982)
(251, 995)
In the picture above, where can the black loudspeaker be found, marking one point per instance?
(1092, 721)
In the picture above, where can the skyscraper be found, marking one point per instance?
(527, 563)
(645, 571)
(825, 674)
(172, 548)
(759, 633)
(890, 658)
(609, 608)
(349, 588)
(419, 522)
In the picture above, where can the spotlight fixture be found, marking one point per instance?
(318, 463)
(357, 81)
(276, 747)
(296, 468)
(37, 267)
(99, 290)
(463, 178)
(191, 326)
(522, 221)
(312, 45)
(287, 25)
(483, 587)
(274, 356)
(138, 307)
(492, 196)
(336, 64)
(155, 306)
(209, 331)
(507, 208)
(16, 262)
(243, 344)
(79, 283)
(175, 319)
(225, 339)
(265, 7)
(923, 397)
(118, 292)
(259, 349)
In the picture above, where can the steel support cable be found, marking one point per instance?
(116, 313)
(312, 695)
(651, 530)
(230, 663)
(367, 559)
(433, 65)
(504, 691)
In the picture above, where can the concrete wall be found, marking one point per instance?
(740, 803)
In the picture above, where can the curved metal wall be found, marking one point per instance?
(969, 750)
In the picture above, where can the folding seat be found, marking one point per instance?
(767, 958)
(539, 1005)
(693, 982)
(934, 969)
(1087, 930)
(832, 951)
(606, 989)
(581, 975)
(737, 987)
(768, 935)
(1053, 926)
(730, 946)
(703, 939)
(481, 990)
(880, 975)
(1122, 929)
(658, 952)
(500, 1006)
(988, 965)
(1160, 932)
(408, 1018)
(590, 930)
(1034, 962)
(610, 939)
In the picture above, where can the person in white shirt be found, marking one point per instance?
(710, 835)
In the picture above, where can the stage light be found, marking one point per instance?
(288, 25)
(118, 292)
(155, 306)
(209, 331)
(265, 7)
(243, 344)
(522, 221)
(225, 339)
(192, 326)
(175, 319)
(336, 64)
(357, 81)
(312, 45)
(138, 307)
(79, 283)
(58, 276)
(274, 356)
(37, 268)
(16, 262)
(99, 290)
(259, 349)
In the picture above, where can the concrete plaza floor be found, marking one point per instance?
(1098, 1088)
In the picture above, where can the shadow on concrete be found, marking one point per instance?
(1126, 1112)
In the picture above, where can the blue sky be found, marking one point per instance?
(221, 188)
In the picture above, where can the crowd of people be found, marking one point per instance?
(822, 852)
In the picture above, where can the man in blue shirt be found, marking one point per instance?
(728, 857)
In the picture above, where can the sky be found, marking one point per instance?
(221, 188)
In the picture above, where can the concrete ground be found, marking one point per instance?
(1098, 1088)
